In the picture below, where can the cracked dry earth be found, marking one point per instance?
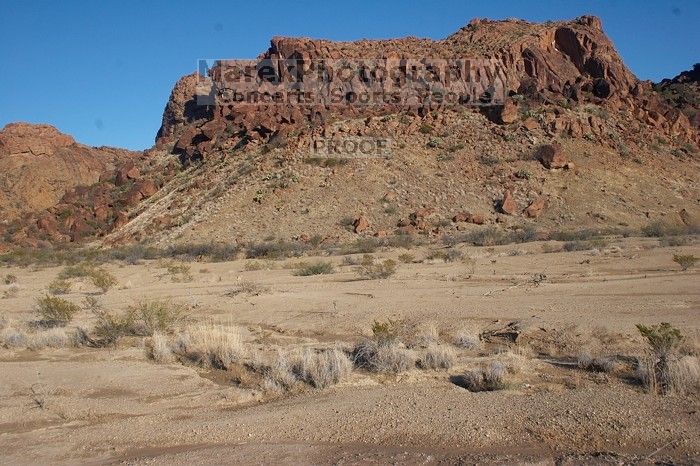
(114, 406)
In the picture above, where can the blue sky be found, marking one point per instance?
(102, 71)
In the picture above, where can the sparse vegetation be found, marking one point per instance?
(406, 258)
(59, 286)
(595, 364)
(377, 270)
(102, 279)
(55, 311)
(664, 370)
(316, 268)
(686, 261)
(158, 315)
(10, 279)
(247, 288)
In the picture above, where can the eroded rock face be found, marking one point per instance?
(561, 60)
(39, 164)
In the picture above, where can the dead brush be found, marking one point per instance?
(590, 363)
(486, 379)
(387, 357)
(247, 288)
(320, 368)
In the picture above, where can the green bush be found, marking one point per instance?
(158, 315)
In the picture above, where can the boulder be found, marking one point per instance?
(508, 204)
(551, 156)
(536, 207)
(360, 224)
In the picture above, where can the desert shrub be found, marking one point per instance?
(407, 258)
(674, 241)
(210, 345)
(251, 266)
(385, 332)
(102, 279)
(321, 368)
(383, 357)
(248, 288)
(276, 250)
(660, 229)
(110, 327)
(10, 279)
(75, 271)
(179, 273)
(59, 286)
(489, 236)
(437, 357)
(55, 311)
(316, 268)
(401, 241)
(686, 261)
(662, 362)
(363, 246)
(486, 379)
(595, 364)
(92, 304)
(213, 252)
(571, 246)
(378, 270)
(158, 315)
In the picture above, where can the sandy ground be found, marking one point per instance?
(83, 405)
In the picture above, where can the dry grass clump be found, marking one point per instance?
(13, 337)
(438, 357)
(467, 338)
(55, 311)
(320, 368)
(210, 345)
(159, 349)
(486, 379)
(9, 279)
(387, 357)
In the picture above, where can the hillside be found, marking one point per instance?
(233, 171)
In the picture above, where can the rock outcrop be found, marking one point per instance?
(39, 164)
(572, 61)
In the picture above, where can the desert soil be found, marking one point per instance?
(86, 405)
